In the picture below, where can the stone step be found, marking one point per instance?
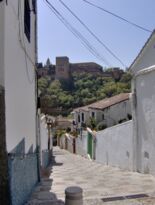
(46, 202)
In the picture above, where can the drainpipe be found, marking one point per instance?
(134, 119)
(4, 176)
(38, 141)
(5, 195)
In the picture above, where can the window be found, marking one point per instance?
(93, 114)
(78, 118)
(82, 117)
(34, 6)
(27, 19)
(102, 116)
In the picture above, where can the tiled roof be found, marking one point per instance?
(84, 108)
(102, 104)
(107, 102)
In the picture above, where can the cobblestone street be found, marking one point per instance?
(100, 184)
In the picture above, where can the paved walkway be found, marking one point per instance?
(101, 184)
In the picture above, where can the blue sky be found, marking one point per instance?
(123, 39)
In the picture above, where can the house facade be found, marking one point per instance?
(112, 111)
(143, 91)
(81, 115)
(109, 111)
(18, 55)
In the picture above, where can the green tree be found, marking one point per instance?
(126, 78)
(86, 89)
(42, 84)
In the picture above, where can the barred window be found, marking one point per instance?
(82, 117)
(27, 20)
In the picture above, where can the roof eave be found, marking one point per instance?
(131, 67)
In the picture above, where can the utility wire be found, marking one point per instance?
(92, 33)
(117, 16)
(76, 33)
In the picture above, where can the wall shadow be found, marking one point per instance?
(43, 193)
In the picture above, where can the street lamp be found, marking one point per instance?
(49, 125)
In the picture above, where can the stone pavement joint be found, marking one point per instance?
(98, 182)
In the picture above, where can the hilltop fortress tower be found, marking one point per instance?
(62, 70)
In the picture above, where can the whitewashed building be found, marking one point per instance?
(81, 115)
(109, 111)
(18, 54)
(113, 110)
(143, 89)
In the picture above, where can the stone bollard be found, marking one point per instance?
(73, 196)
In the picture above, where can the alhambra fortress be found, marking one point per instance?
(64, 69)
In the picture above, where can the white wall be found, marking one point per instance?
(43, 140)
(113, 114)
(62, 142)
(43, 134)
(145, 115)
(70, 144)
(147, 58)
(118, 112)
(86, 116)
(98, 115)
(114, 146)
(19, 78)
(2, 43)
(81, 144)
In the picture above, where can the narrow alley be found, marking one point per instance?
(100, 184)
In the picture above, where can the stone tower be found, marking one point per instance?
(62, 68)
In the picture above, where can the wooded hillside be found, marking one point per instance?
(60, 97)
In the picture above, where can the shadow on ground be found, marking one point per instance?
(43, 194)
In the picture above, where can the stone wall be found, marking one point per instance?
(23, 175)
(62, 68)
(89, 67)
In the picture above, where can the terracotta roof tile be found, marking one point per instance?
(107, 102)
